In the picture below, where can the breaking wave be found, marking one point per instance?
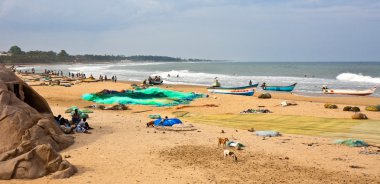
(352, 77)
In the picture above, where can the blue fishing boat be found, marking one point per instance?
(241, 90)
(279, 88)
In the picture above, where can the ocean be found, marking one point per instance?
(309, 76)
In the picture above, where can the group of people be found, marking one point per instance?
(77, 75)
(77, 123)
(51, 72)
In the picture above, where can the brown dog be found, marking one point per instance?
(222, 141)
(150, 123)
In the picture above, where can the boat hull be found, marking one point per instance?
(243, 90)
(350, 92)
(156, 82)
(280, 88)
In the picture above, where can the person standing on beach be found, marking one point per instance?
(115, 78)
(250, 82)
(75, 117)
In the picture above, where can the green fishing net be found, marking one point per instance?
(150, 96)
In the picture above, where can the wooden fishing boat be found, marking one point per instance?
(350, 91)
(279, 88)
(155, 82)
(90, 79)
(242, 90)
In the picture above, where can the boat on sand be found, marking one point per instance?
(242, 90)
(350, 91)
(280, 88)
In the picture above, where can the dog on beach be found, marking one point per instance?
(228, 153)
(150, 123)
(222, 141)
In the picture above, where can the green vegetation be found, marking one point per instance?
(19, 56)
(367, 130)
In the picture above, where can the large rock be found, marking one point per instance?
(359, 116)
(29, 136)
(372, 108)
(265, 95)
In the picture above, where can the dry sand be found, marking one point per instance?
(122, 150)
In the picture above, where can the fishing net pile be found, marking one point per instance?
(150, 96)
(29, 137)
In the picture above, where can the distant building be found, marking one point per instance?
(5, 53)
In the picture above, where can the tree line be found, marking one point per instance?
(19, 56)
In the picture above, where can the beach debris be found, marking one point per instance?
(338, 159)
(288, 103)
(310, 144)
(355, 167)
(117, 107)
(190, 106)
(353, 109)
(222, 132)
(154, 116)
(351, 142)
(370, 152)
(268, 133)
(373, 108)
(255, 111)
(180, 114)
(331, 106)
(96, 106)
(177, 127)
(251, 130)
(265, 95)
(236, 145)
(142, 111)
(359, 116)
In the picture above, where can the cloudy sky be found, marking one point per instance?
(245, 30)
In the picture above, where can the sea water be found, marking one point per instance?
(309, 76)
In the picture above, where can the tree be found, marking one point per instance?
(15, 50)
(63, 53)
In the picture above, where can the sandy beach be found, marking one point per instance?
(120, 149)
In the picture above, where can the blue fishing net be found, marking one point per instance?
(150, 96)
(352, 142)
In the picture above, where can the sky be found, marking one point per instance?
(241, 30)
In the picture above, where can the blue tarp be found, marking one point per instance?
(167, 122)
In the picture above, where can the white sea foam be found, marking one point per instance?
(352, 77)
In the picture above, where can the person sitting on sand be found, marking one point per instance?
(163, 120)
(263, 85)
(81, 127)
(57, 118)
(75, 117)
(83, 123)
(65, 126)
